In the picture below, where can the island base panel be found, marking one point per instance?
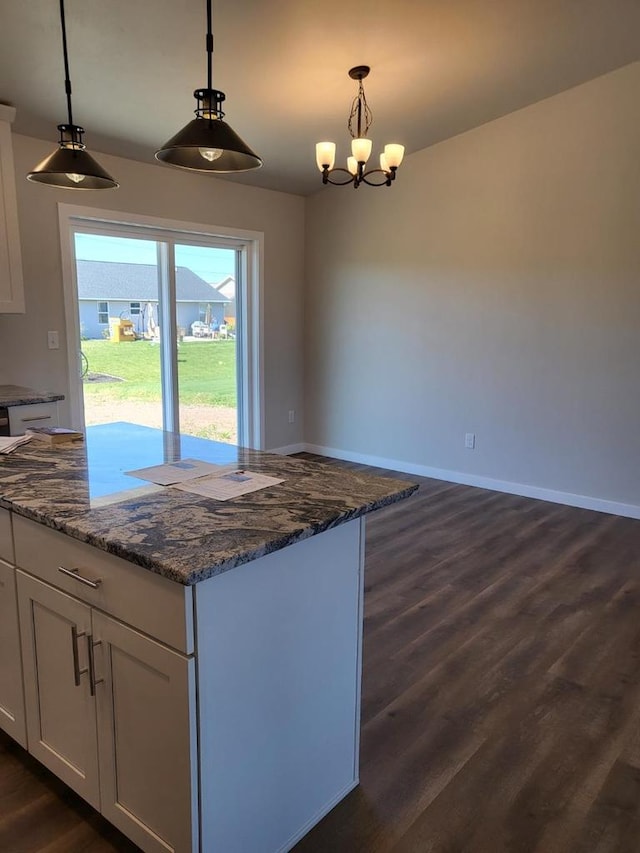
(279, 664)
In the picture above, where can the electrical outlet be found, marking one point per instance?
(53, 341)
(470, 440)
(292, 416)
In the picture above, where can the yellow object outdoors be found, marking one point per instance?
(121, 330)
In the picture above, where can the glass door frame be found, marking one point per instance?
(249, 275)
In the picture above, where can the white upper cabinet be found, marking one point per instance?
(11, 287)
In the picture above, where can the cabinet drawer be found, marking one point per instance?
(6, 537)
(154, 605)
(32, 415)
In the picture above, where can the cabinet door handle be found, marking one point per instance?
(75, 574)
(36, 418)
(91, 644)
(77, 672)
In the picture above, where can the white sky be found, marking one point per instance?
(213, 265)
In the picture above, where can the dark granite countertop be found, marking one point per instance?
(16, 395)
(81, 490)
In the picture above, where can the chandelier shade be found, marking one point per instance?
(71, 166)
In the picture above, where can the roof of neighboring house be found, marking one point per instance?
(105, 280)
(226, 287)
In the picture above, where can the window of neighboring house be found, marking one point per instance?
(202, 312)
(134, 309)
(103, 312)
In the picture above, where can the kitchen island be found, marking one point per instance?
(190, 666)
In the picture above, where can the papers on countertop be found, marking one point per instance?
(176, 472)
(228, 484)
(221, 482)
(9, 443)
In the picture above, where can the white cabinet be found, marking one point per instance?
(145, 697)
(61, 727)
(11, 697)
(11, 286)
(32, 415)
(12, 718)
(109, 710)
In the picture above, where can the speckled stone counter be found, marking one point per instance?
(16, 395)
(82, 490)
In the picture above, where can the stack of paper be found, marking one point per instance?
(9, 444)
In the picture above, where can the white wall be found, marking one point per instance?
(495, 289)
(159, 191)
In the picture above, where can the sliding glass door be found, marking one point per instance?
(207, 341)
(160, 334)
(118, 286)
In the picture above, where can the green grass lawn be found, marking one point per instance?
(206, 371)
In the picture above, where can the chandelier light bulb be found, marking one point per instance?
(393, 154)
(383, 163)
(325, 155)
(352, 165)
(361, 149)
(73, 176)
(211, 154)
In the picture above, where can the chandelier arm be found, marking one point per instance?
(385, 183)
(339, 183)
(65, 53)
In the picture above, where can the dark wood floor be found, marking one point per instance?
(501, 691)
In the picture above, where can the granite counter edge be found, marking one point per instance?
(165, 569)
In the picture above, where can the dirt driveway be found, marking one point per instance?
(216, 422)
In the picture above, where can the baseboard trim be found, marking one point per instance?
(289, 449)
(522, 489)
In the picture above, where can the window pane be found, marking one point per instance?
(205, 312)
(119, 276)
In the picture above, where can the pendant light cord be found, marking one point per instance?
(209, 54)
(67, 81)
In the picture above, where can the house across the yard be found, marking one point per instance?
(112, 290)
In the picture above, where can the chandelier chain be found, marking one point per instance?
(360, 112)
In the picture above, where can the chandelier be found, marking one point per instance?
(360, 120)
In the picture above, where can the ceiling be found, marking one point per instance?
(438, 68)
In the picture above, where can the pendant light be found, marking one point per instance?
(360, 120)
(207, 143)
(71, 166)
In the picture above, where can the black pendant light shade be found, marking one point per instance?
(207, 143)
(71, 166)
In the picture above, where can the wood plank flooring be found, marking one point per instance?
(501, 691)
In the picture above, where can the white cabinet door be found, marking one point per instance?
(145, 694)
(61, 722)
(11, 695)
(11, 284)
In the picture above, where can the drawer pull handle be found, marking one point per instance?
(91, 644)
(75, 574)
(36, 418)
(77, 672)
